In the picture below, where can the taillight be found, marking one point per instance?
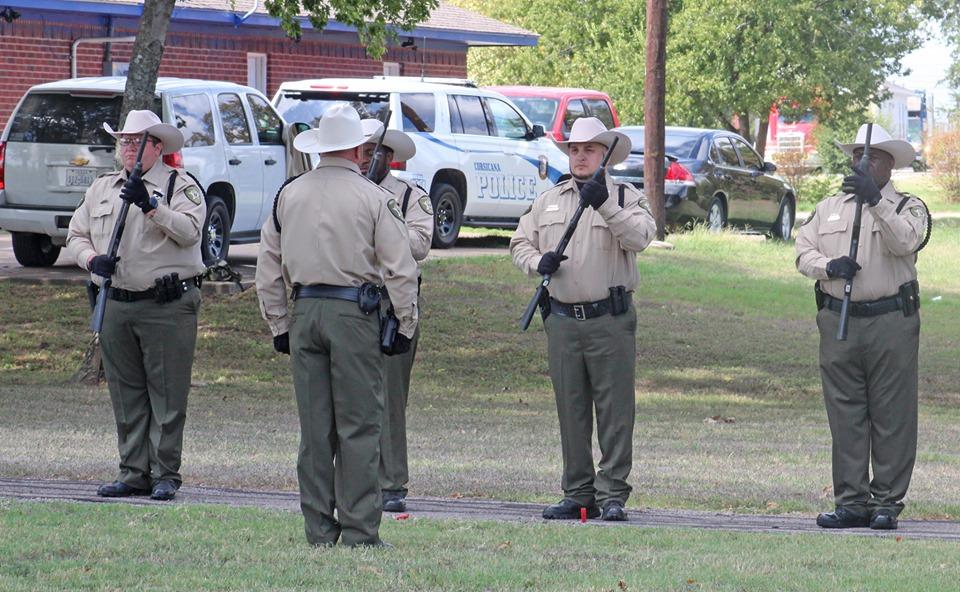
(174, 160)
(677, 172)
(3, 149)
(398, 166)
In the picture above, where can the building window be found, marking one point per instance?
(391, 69)
(257, 71)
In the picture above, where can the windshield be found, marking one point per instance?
(682, 144)
(309, 106)
(538, 111)
(60, 118)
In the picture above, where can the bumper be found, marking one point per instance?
(53, 223)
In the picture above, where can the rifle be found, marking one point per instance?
(96, 323)
(854, 241)
(541, 295)
(377, 159)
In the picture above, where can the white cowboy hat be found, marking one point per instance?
(339, 129)
(591, 129)
(401, 144)
(147, 121)
(902, 152)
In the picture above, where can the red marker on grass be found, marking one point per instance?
(583, 515)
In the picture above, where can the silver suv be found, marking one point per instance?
(53, 147)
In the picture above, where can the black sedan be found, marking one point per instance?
(715, 176)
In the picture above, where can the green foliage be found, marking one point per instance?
(841, 128)
(373, 20)
(944, 159)
(817, 187)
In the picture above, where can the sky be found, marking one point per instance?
(928, 67)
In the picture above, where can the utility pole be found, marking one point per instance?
(654, 93)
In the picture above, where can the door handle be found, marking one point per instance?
(269, 162)
(234, 161)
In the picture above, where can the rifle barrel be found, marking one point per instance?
(864, 166)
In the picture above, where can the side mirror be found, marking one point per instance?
(769, 167)
(538, 131)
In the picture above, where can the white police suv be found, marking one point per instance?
(479, 158)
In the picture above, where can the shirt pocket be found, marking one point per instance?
(552, 225)
(832, 236)
(100, 222)
(600, 235)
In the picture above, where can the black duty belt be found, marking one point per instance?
(121, 295)
(870, 308)
(325, 291)
(580, 310)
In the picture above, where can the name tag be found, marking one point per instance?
(833, 217)
(552, 208)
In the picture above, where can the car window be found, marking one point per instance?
(682, 144)
(473, 118)
(60, 118)
(601, 110)
(309, 106)
(750, 158)
(419, 112)
(269, 125)
(539, 111)
(507, 123)
(456, 125)
(235, 127)
(726, 154)
(193, 116)
(573, 112)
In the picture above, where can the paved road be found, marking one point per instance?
(474, 509)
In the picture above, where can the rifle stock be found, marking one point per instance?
(541, 292)
(96, 322)
(854, 242)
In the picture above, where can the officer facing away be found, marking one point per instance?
(591, 330)
(150, 324)
(332, 235)
(418, 215)
(870, 379)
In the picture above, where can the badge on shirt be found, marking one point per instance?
(193, 194)
(833, 217)
(552, 208)
(425, 204)
(395, 209)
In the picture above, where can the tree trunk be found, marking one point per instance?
(147, 52)
(653, 111)
(761, 144)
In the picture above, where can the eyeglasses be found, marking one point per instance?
(124, 142)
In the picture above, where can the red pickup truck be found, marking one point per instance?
(557, 108)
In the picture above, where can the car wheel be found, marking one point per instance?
(447, 215)
(34, 250)
(215, 242)
(716, 215)
(783, 226)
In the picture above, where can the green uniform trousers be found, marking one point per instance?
(337, 375)
(394, 472)
(870, 390)
(592, 366)
(148, 356)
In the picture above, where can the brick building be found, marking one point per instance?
(51, 39)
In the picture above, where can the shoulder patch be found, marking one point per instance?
(395, 209)
(425, 204)
(918, 211)
(193, 194)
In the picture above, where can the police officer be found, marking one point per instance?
(591, 330)
(418, 214)
(870, 379)
(150, 324)
(332, 233)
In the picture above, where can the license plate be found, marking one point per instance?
(77, 177)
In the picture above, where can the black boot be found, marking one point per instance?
(120, 489)
(843, 518)
(164, 490)
(569, 510)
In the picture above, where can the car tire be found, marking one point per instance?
(34, 250)
(716, 215)
(447, 215)
(786, 217)
(215, 242)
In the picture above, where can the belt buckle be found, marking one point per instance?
(579, 313)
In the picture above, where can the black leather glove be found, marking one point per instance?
(104, 265)
(862, 185)
(843, 267)
(594, 192)
(401, 345)
(281, 343)
(135, 192)
(549, 263)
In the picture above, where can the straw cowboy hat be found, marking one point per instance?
(339, 129)
(902, 152)
(591, 129)
(401, 144)
(147, 121)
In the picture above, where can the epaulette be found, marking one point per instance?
(276, 201)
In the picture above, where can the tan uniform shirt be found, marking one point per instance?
(887, 245)
(168, 241)
(602, 251)
(338, 229)
(419, 215)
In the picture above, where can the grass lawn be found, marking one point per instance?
(84, 547)
(926, 187)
